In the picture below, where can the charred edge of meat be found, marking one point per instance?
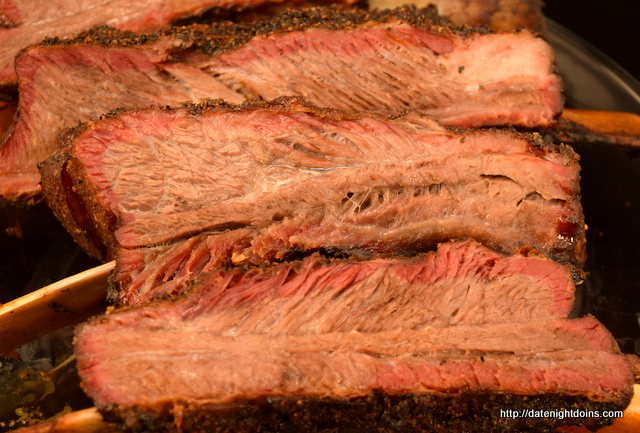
(266, 11)
(569, 229)
(289, 104)
(224, 36)
(378, 412)
(634, 361)
(105, 36)
(541, 142)
(79, 212)
(64, 198)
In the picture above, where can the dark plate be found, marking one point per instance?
(592, 80)
(611, 200)
(610, 188)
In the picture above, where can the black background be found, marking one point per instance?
(612, 26)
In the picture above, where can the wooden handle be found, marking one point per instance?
(615, 126)
(82, 421)
(55, 306)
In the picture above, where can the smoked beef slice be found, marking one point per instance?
(460, 283)
(351, 60)
(158, 372)
(311, 178)
(27, 22)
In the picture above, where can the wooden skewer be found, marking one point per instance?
(605, 122)
(81, 421)
(611, 126)
(55, 306)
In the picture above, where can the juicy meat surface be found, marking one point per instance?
(461, 283)
(350, 60)
(310, 178)
(172, 366)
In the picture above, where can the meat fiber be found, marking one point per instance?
(161, 372)
(310, 178)
(461, 283)
(350, 60)
(144, 273)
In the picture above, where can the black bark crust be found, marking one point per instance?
(291, 104)
(220, 37)
(379, 412)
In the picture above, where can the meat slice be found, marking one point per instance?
(461, 283)
(350, 60)
(310, 178)
(170, 372)
(24, 22)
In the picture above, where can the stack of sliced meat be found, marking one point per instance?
(284, 267)
(347, 60)
(313, 277)
(24, 22)
(299, 178)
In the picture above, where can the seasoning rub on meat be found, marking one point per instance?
(349, 60)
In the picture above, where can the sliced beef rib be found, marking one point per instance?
(311, 178)
(351, 60)
(460, 283)
(171, 374)
(24, 22)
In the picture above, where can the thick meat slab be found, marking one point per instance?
(171, 373)
(24, 22)
(311, 178)
(461, 283)
(350, 60)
